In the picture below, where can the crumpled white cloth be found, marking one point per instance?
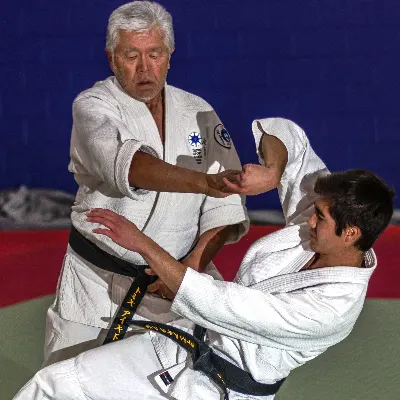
(26, 208)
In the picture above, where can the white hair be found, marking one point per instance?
(139, 16)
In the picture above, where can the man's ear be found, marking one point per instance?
(170, 54)
(352, 234)
(110, 60)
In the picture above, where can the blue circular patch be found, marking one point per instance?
(222, 136)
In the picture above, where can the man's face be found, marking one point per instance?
(323, 239)
(140, 63)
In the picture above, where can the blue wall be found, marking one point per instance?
(331, 66)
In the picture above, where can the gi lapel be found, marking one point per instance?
(303, 279)
(138, 119)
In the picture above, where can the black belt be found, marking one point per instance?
(100, 258)
(225, 374)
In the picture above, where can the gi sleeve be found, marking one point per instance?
(103, 147)
(222, 156)
(289, 321)
(296, 188)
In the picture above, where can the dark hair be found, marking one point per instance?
(358, 197)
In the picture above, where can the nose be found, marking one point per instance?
(143, 65)
(312, 221)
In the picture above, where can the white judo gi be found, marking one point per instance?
(109, 126)
(271, 319)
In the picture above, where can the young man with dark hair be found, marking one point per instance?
(357, 198)
(298, 290)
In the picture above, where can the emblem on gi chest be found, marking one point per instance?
(198, 145)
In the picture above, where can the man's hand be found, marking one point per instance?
(159, 287)
(216, 185)
(126, 234)
(151, 173)
(120, 230)
(253, 180)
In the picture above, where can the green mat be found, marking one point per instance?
(365, 366)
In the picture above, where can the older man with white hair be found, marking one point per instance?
(135, 141)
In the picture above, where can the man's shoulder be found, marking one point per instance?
(187, 100)
(100, 90)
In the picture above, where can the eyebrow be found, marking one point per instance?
(157, 48)
(132, 48)
(318, 211)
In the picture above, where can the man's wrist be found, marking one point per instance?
(194, 263)
(199, 182)
(148, 248)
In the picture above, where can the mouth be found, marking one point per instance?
(145, 83)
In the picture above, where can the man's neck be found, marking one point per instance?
(349, 259)
(156, 108)
(155, 105)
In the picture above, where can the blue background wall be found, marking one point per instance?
(331, 66)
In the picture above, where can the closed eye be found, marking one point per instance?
(130, 55)
(319, 213)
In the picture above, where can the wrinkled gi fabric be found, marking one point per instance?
(270, 320)
(108, 128)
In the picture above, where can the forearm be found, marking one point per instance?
(151, 173)
(207, 247)
(256, 179)
(275, 156)
(302, 166)
(170, 271)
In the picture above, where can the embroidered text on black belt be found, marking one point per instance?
(100, 258)
(225, 374)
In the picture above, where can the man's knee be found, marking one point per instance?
(65, 339)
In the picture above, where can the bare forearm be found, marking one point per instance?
(170, 271)
(207, 247)
(275, 156)
(256, 179)
(151, 173)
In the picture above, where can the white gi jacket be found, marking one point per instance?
(272, 319)
(109, 127)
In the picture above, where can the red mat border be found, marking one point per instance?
(30, 262)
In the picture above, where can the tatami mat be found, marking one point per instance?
(365, 366)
